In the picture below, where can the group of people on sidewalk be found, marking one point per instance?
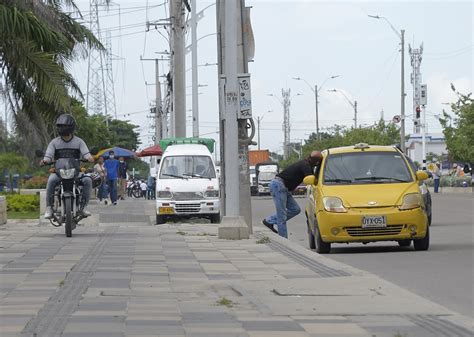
(113, 174)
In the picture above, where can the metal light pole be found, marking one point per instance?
(401, 36)
(194, 66)
(353, 105)
(259, 119)
(316, 93)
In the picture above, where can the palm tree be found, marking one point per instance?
(38, 42)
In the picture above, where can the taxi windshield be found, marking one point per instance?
(366, 168)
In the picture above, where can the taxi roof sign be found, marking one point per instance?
(361, 146)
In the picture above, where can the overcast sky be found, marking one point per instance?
(309, 39)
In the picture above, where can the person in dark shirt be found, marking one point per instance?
(282, 186)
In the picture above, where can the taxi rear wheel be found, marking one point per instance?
(423, 244)
(404, 243)
(311, 238)
(321, 246)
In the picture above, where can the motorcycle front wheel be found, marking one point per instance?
(68, 216)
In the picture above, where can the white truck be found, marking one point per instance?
(187, 184)
(265, 172)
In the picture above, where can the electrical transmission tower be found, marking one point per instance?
(286, 122)
(100, 86)
(416, 55)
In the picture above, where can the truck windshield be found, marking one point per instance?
(266, 176)
(366, 168)
(194, 167)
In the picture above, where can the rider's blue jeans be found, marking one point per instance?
(53, 180)
(112, 183)
(286, 206)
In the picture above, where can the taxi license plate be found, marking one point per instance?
(166, 210)
(375, 221)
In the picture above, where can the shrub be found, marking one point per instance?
(22, 203)
(450, 181)
(36, 182)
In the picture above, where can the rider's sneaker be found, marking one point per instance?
(85, 213)
(49, 213)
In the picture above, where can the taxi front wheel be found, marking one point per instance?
(423, 244)
(321, 246)
(160, 219)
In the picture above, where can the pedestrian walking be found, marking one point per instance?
(102, 189)
(112, 167)
(144, 188)
(282, 186)
(436, 173)
(150, 187)
(122, 178)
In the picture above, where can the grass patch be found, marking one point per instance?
(225, 302)
(61, 283)
(263, 240)
(181, 233)
(23, 215)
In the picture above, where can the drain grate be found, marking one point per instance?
(319, 268)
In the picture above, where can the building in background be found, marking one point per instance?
(435, 144)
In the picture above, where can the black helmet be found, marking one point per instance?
(65, 124)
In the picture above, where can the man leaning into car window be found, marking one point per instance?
(282, 186)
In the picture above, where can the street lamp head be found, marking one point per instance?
(333, 90)
(297, 78)
(335, 76)
(270, 95)
(374, 16)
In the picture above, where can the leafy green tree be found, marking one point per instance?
(124, 134)
(459, 129)
(38, 42)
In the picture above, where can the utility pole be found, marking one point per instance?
(416, 55)
(158, 110)
(402, 112)
(194, 67)
(355, 114)
(235, 42)
(258, 130)
(178, 67)
(286, 122)
(317, 112)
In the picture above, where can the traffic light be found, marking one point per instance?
(417, 116)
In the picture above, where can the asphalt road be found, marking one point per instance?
(443, 274)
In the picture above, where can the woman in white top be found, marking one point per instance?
(102, 191)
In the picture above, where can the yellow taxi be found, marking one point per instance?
(367, 193)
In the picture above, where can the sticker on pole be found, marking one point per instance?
(396, 119)
(245, 98)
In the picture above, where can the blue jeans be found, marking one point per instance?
(112, 184)
(53, 180)
(436, 185)
(285, 204)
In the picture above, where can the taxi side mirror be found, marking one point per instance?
(421, 175)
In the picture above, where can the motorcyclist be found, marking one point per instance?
(58, 148)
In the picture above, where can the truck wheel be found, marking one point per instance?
(160, 219)
(321, 246)
(215, 218)
(423, 244)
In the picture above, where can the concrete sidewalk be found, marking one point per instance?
(120, 275)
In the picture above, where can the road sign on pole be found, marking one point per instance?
(245, 99)
(396, 119)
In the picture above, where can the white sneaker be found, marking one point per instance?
(49, 212)
(85, 212)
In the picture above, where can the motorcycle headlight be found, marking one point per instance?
(212, 194)
(67, 173)
(411, 201)
(165, 194)
(334, 204)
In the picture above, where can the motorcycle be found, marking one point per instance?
(68, 192)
